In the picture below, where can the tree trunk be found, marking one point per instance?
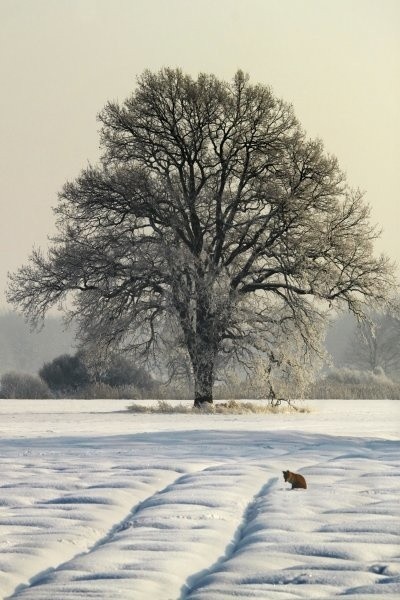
(203, 347)
(203, 382)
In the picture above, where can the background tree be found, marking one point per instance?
(375, 344)
(210, 212)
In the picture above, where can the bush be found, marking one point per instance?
(354, 384)
(122, 372)
(23, 385)
(103, 391)
(65, 374)
(119, 378)
(355, 376)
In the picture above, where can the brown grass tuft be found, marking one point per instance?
(230, 407)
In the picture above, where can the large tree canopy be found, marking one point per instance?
(211, 221)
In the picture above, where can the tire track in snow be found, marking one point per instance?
(43, 576)
(154, 549)
(327, 543)
(195, 582)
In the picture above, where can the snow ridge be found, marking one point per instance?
(111, 505)
(196, 581)
(47, 575)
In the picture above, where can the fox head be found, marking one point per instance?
(286, 475)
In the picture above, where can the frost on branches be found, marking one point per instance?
(210, 223)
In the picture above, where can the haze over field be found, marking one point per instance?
(337, 62)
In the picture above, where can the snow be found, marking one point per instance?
(97, 502)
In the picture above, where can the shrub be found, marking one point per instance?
(354, 384)
(100, 390)
(65, 374)
(120, 371)
(118, 378)
(23, 385)
(225, 408)
(355, 376)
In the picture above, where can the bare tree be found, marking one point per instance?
(375, 344)
(210, 215)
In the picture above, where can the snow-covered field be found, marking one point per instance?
(96, 502)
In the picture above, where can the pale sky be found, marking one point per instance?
(336, 61)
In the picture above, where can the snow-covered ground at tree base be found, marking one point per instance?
(100, 503)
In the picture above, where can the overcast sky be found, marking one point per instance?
(336, 61)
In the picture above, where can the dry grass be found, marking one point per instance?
(230, 407)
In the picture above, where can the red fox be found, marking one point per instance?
(295, 479)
